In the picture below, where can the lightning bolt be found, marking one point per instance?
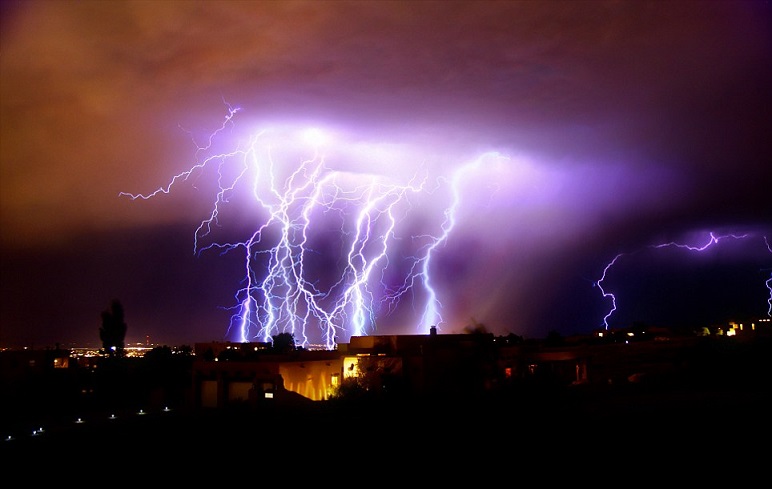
(292, 279)
(769, 281)
(712, 241)
(421, 264)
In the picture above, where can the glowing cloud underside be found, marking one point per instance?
(332, 247)
(712, 240)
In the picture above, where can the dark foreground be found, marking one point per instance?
(707, 421)
(659, 425)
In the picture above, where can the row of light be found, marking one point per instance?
(40, 431)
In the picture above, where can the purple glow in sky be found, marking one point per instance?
(619, 125)
(327, 257)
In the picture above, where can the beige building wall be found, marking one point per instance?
(315, 380)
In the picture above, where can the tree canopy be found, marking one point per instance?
(284, 342)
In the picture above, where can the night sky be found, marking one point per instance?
(569, 132)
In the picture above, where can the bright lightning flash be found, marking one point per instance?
(325, 244)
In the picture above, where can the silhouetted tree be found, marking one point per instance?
(113, 330)
(283, 342)
(350, 389)
(476, 328)
(511, 339)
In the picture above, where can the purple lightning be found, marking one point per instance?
(315, 222)
(713, 240)
(769, 281)
(421, 265)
